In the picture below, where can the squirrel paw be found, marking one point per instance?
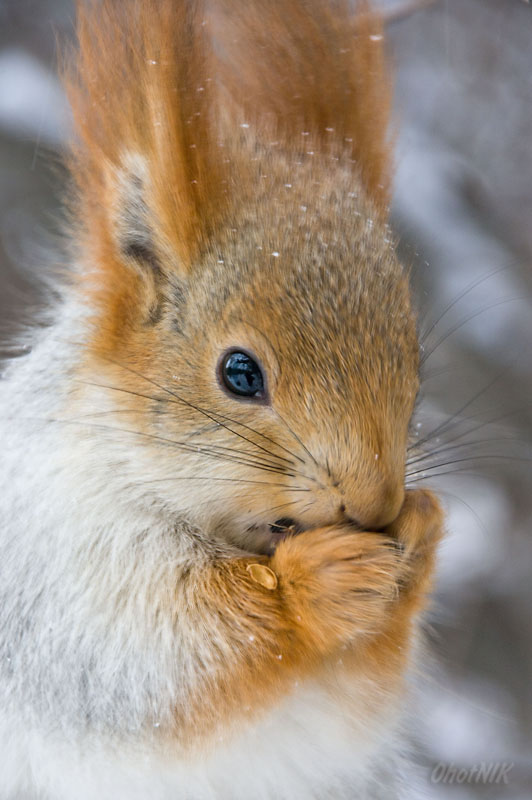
(337, 582)
(418, 531)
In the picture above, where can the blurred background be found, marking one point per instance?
(463, 210)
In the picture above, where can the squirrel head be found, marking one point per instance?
(251, 321)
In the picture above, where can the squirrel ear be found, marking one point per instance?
(146, 163)
(134, 232)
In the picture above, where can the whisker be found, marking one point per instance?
(482, 424)
(198, 432)
(202, 411)
(282, 505)
(184, 402)
(493, 457)
(459, 325)
(435, 373)
(469, 288)
(296, 437)
(214, 478)
(179, 445)
(456, 471)
(442, 426)
(245, 453)
(469, 507)
(163, 400)
(449, 447)
(258, 433)
(307, 506)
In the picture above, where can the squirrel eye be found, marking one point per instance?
(242, 375)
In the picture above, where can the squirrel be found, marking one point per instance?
(212, 577)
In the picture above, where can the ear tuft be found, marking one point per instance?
(141, 84)
(317, 69)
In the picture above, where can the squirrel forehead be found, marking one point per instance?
(313, 248)
(323, 284)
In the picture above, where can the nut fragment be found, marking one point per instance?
(263, 575)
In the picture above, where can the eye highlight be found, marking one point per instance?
(241, 375)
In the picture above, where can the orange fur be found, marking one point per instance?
(340, 593)
(154, 106)
(315, 73)
(142, 86)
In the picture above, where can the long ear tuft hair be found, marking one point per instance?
(147, 144)
(318, 70)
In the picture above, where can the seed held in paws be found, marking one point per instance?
(263, 575)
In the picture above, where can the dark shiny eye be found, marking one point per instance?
(242, 375)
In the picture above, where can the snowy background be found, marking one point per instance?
(463, 208)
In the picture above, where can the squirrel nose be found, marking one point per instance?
(376, 508)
